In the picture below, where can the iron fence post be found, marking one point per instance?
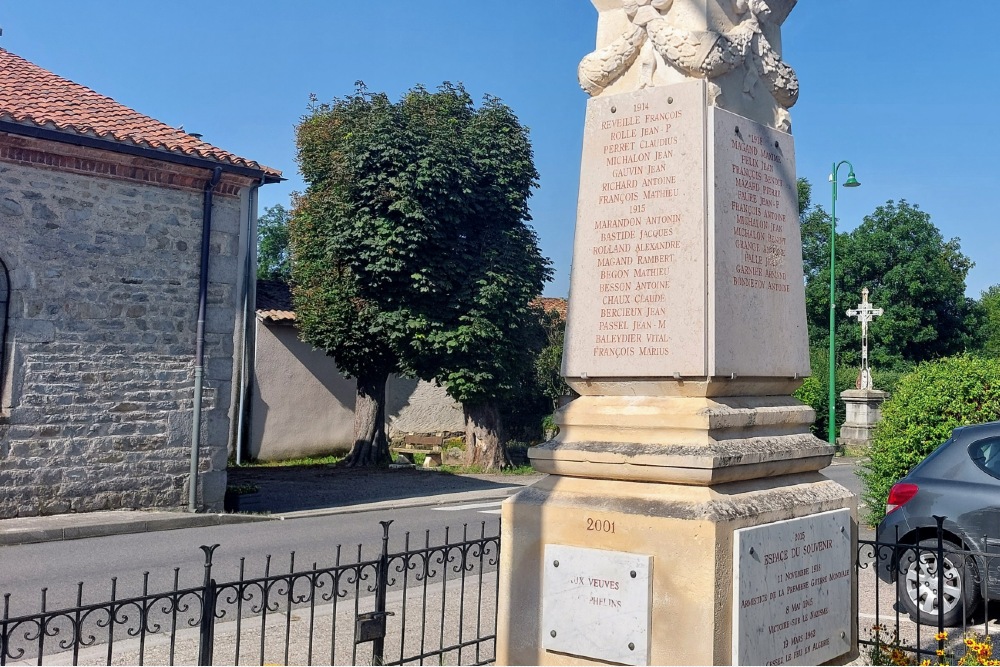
(381, 584)
(3, 629)
(206, 629)
(940, 582)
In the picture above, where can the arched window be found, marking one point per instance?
(4, 308)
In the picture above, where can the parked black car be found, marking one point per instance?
(959, 481)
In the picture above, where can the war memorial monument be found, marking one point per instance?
(684, 519)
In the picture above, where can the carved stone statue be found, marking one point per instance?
(734, 44)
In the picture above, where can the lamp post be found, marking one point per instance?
(851, 182)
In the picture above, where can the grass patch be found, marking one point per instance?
(291, 463)
(242, 489)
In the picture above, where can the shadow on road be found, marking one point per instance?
(319, 487)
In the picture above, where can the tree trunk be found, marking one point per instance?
(371, 447)
(484, 445)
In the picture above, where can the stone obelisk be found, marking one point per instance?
(684, 520)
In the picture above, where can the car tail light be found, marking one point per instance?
(899, 495)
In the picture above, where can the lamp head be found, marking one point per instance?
(851, 181)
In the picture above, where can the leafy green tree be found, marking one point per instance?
(924, 409)
(989, 303)
(916, 276)
(412, 233)
(273, 261)
(548, 363)
(333, 315)
(481, 337)
(804, 189)
(814, 224)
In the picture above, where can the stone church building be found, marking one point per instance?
(126, 274)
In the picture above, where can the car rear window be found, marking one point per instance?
(985, 454)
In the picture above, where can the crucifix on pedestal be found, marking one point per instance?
(865, 314)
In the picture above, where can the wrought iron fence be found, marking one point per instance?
(425, 603)
(932, 599)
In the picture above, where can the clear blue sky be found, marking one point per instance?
(905, 91)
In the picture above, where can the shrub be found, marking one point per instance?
(926, 406)
(815, 390)
(886, 380)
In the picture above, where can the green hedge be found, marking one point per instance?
(925, 407)
(815, 391)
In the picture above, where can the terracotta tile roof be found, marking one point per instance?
(552, 303)
(274, 302)
(33, 96)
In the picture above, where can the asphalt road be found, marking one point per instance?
(58, 567)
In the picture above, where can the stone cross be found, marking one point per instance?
(865, 314)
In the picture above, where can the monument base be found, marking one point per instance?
(685, 540)
(864, 411)
(685, 439)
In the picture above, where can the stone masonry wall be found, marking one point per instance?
(103, 315)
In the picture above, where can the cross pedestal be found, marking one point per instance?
(864, 411)
(864, 404)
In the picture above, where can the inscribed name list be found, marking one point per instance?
(638, 282)
(597, 604)
(792, 593)
(758, 321)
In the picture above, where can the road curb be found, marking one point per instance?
(80, 526)
(70, 527)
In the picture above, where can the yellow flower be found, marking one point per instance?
(940, 653)
(925, 662)
(941, 636)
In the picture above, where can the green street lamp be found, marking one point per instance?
(851, 182)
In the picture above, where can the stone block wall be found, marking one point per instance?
(96, 410)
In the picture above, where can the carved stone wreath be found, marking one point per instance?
(699, 54)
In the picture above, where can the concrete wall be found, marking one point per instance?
(98, 398)
(303, 406)
(415, 406)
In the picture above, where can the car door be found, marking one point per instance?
(982, 524)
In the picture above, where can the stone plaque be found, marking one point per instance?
(687, 258)
(792, 593)
(638, 281)
(596, 604)
(758, 323)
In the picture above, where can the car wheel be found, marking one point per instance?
(917, 584)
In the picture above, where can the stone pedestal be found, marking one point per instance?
(684, 519)
(864, 410)
(688, 533)
(675, 479)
